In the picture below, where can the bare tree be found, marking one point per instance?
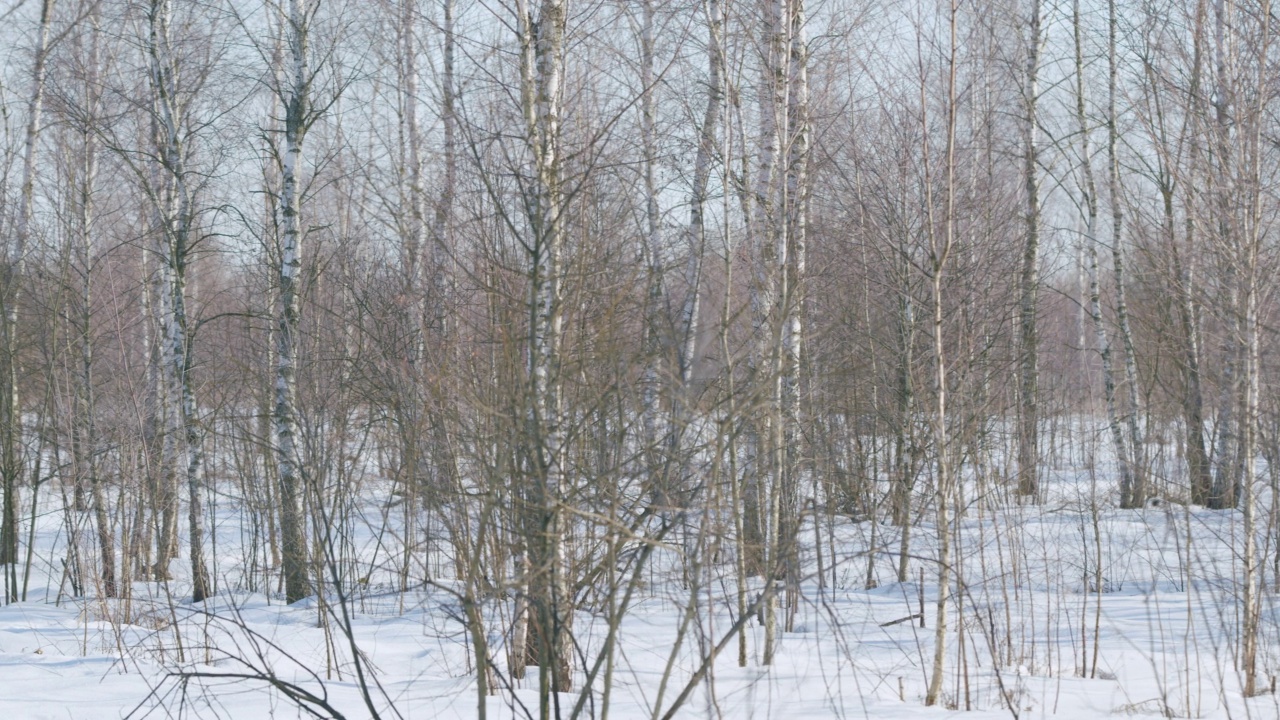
(940, 245)
(176, 209)
(293, 86)
(548, 608)
(1029, 279)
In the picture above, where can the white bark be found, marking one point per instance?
(547, 582)
(771, 297)
(1226, 480)
(295, 96)
(1251, 610)
(939, 253)
(415, 251)
(177, 214)
(1029, 282)
(797, 218)
(652, 421)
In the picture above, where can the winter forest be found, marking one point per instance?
(656, 359)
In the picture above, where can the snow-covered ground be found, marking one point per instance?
(1028, 616)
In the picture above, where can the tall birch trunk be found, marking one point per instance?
(939, 252)
(688, 327)
(176, 208)
(773, 294)
(414, 233)
(160, 412)
(1199, 469)
(449, 121)
(797, 218)
(904, 441)
(442, 252)
(1029, 280)
(1251, 610)
(410, 410)
(651, 251)
(1226, 479)
(295, 95)
(548, 590)
(769, 243)
(1250, 607)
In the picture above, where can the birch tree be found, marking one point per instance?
(651, 252)
(941, 241)
(1224, 492)
(767, 466)
(293, 86)
(177, 212)
(1029, 278)
(799, 148)
(1252, 292)
(548, 608)
(779, 226)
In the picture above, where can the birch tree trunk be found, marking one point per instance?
(797, 218)
(294, 92)
(1029, 281)
(415, 250)
(410, 409)
(651, 252)
(177, 212)
(549, 600)
(159, 438)
(688, 327)
(773, 295)
(449, 121)
(1226, 479)
(767, 237)
(904, 441)
(939, 253)
(1251, 610)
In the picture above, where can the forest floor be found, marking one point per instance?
(1156, 637)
